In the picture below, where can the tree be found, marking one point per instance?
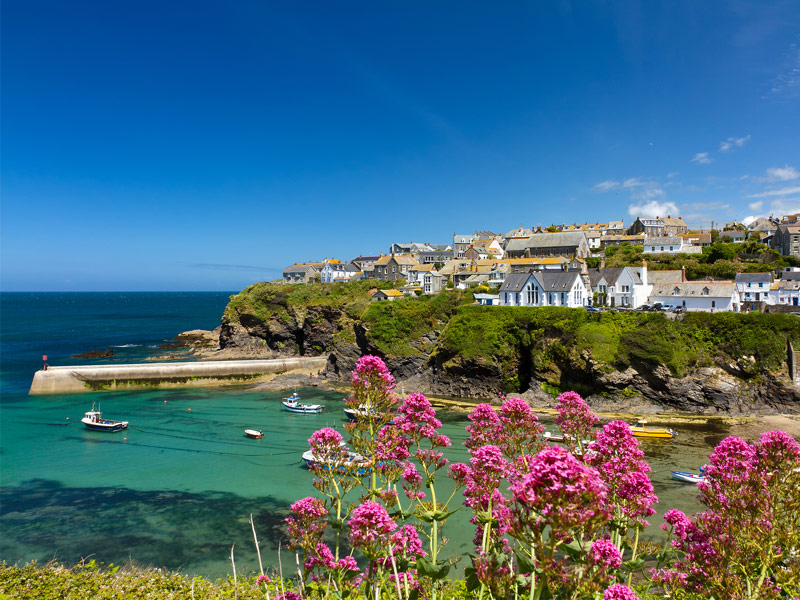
(552, 229)
(714, 235)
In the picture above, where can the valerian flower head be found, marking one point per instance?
(371, 371)
(560, 492)
(605, 554)
(308, 523)
(575, 419)
(619, 592)
(370, 527)
(485, 423)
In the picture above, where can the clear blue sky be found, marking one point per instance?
(204, 146)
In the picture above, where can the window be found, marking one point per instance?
(626, 289)
(676, 291)
(705, 292)
(530, 294)
(713, 303)
(662, 248)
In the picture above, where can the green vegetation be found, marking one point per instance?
(720, 260)
(395, 327)
(266, 300)
(549, 341)
(90, 580)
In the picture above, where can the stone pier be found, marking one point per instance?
(96, 378)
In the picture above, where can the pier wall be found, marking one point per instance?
(96, 378)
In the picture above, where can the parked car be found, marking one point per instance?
(678, 309)
(667, 307)
(656, 306)
(644, 307)
(592, 309)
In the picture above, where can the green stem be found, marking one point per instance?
(633, 555)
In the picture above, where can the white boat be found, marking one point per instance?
(294, 405)
(688, 477)
(350, 462)
(553, 437)
(94, 420)
(253, 433)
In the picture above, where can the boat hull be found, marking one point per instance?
(652, 432)
(687, 477)
(303, 408)
(252, 433)
(110, 426)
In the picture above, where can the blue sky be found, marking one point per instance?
(204, 146)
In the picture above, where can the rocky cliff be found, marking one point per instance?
(447, 347)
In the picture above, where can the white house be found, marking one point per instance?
(620, 286)
(544, 289)
(785, 291)
(754, 287)
(665, 245)
(487, 299)
(337, 272)
(691, 296)
(426, 277)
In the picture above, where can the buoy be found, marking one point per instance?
(190, 410)
(67, 418)
(165, 401)
(124, 439)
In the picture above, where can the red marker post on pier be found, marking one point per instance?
(44, 359)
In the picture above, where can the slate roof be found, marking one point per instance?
(672, 240)
(514, 282)
(549, 240)
(790, 276)
(753, 277)
(343, 267)
(656, 277)
(694, 289)
(556, 282)
(595, 277)
(517, 244)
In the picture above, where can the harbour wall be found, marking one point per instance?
(97, 378)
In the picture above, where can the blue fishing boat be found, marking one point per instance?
(349, 463)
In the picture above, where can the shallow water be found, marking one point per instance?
(177, 488)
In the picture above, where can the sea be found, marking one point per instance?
(177, 489)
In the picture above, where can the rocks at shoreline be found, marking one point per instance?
(107, 353)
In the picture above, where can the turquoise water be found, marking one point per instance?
(177, 488)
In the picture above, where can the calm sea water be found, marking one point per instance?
(177, 488)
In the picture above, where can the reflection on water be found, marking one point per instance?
(177, 488)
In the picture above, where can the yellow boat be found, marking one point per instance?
(641, 430)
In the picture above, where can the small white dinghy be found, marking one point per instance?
(252, 433)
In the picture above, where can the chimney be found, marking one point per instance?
(644, 273)
(683, 274)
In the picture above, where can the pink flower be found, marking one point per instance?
(619, 592)
(370, 526)
(560, 492)
(308, 524)
(484, 424)
(371, 372)
(262, 579)
(575, 419)
(605, 554)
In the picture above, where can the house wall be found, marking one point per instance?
(699, 303)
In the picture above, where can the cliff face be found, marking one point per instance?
(716, 363)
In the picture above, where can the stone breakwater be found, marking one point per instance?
(95, 378)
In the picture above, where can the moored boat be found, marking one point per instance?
(688, 477)
(553, 437)
(640, 429)
(94, 420)
(298, 407)
(253, 433)
(349, 463)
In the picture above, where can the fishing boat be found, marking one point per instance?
(294, 405)
(94, 420)
(253, 433)
(349, 463)
(688, 477)
(640, 429)
(553, 437)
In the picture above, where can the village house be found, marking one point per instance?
(365, 262)
(619, 239)
(303, 272)
(615, 228)
(658, 226)
(696, 239)
(382, 295)
(754, 287)
(620, 286)
(694, 296)
(785, 292)
(674, 244)
(427, 278)
(409, 248)
(786, 240)
(487, 299)
(544, 289)
(549, 244)
(461, 243)
(737, 236)
(436, 255)
(336, 271)
(392, 267)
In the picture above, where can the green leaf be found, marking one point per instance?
(427, 569)
(633, 565)
(573, 549)
(524, 562)
(414, 595)
(471, 576)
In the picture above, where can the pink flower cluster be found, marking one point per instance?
(575, 419)
(619, 592)
(370, 527)
(560, 492)
(308, 524)
(740, 546)
(619, 460)
(605, 554)
(371, 373)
